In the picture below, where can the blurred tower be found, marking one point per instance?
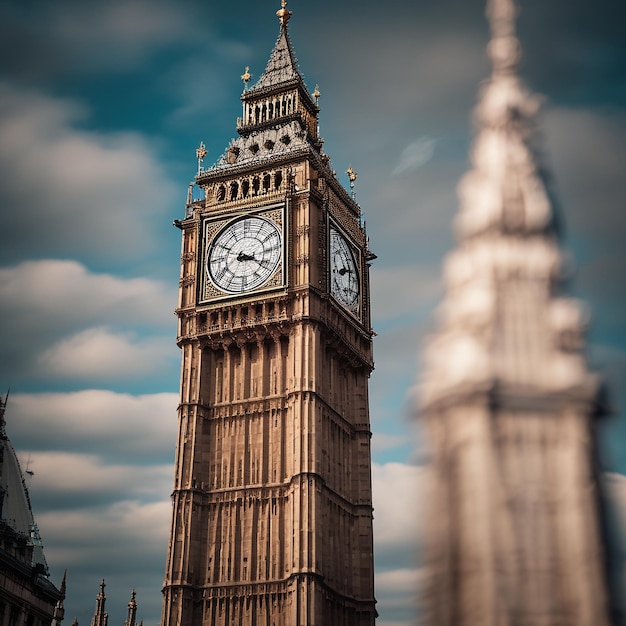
(272, 501)
(507, 400)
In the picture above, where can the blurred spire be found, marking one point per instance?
(505, 190)
(503, 49)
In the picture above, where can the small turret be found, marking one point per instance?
(131, 620)
(100, 617)
(59, 609)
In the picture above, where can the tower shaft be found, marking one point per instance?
(272, 510)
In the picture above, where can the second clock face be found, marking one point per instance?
(244, 255)
(344, 275)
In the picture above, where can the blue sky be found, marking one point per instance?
(101, 108)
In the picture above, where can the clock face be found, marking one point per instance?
(244, 255)
(344, 275)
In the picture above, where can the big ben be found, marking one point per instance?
(272, 508)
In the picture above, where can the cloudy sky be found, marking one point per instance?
(102, 105)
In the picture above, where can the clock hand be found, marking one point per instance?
(242, 256)
(343, 271)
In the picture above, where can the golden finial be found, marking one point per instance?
(200, 154)
(246, 76)
(352, 175)
(283, 13)
(317, 94)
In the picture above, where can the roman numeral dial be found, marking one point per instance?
(344, 274)
(244, 255)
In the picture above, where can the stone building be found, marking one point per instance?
(27, 597)
(507, 400)
(272, 509)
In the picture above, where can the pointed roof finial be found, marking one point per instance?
(63, 585)
(504, 49)
(283, 13)
(245, 77)
(100, 617)
(352, 176)
(317, 94)
(200, 154)
(59, 609)
(132, 610)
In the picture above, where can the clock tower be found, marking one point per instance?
(272, 505)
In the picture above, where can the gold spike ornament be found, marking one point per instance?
(283, 13)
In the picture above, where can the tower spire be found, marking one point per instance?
(505, 190)
(100, 617)
(503, 49)
(131, 620)
(59, 609)
(282, 66)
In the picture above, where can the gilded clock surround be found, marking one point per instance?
(212, 229)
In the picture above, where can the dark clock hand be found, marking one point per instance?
(242, 256)
(343, 271)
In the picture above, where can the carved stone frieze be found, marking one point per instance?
(258, 146)
(348, 221)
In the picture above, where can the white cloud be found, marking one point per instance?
(79, 37)
(64, 476)
(103, 472)
(397, 491)
(398, 582)
(112, 425)
(415, 155)
(77, 536)
(97, 353)
(68, 292)
(382, 442)
(54, 315)
(124, 543)
(75, 192)
(397, 596)
(127, 32)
